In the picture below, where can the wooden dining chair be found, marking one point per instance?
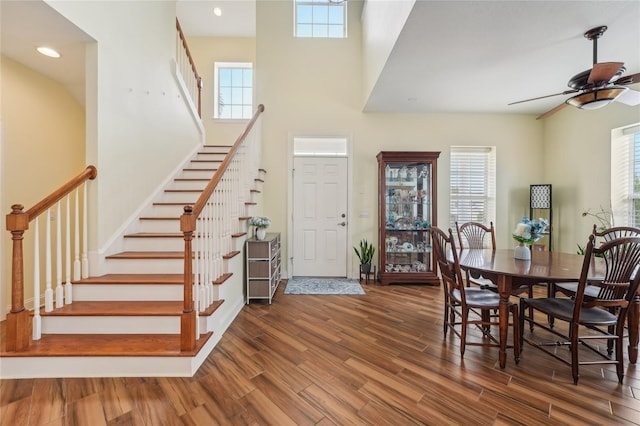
(569, 289)
(465, 306)
(475, 235)
(592, 318)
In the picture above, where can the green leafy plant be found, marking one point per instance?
(605, 221)
(365, 252)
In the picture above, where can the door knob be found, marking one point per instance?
(343, 224)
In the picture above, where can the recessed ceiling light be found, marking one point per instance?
(217, 11)
(47, 51)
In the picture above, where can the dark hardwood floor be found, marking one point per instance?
(378, 359)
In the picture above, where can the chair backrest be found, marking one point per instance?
(618, 286)
(616, 232)
(446, 256)
(474, 233)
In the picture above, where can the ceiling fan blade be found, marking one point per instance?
(628, 79)
(566, 92)
(551, 111)
(604, 71)
(629, 97)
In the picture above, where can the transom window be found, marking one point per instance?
(233, 98)
(625, 175)
(320, 18)
(472, 185)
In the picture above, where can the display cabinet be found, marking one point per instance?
(407, 208)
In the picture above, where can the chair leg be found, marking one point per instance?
(573, 336)
(445, 323)
(463, 330)
(530, 295)
(619, 350)
(516, 333)
(523, 302)
(551, 292)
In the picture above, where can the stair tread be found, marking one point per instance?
(160, 218)
(155, 235)
(148, 255)
(108, 345)
(133, 279)
(118, 308)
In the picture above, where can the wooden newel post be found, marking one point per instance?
(18, 319)
(188, 317)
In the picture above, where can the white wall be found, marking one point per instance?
(206, 51)
(42, 148)
(138, 126)
(382, 22)
(312, 87)
(577, 161)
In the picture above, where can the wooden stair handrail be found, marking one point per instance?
(188, 227)
(193, 65)
(18, 220)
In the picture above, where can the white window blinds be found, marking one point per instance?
(472, 185)
(625, 176)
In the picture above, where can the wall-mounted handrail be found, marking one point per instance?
(226, 176)
(18, 329)
(194, 71)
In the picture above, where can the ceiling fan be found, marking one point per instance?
(599, 86)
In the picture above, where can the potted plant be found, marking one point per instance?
(261, 224)
(365, 253)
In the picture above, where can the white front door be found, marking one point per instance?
(319, 217)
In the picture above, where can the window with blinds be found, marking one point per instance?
(625, 175)
(472, 185)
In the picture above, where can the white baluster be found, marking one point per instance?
(59, 288)
(37, 320)
(48, 293)
(68, 293)
(76, 239)
(85, 227)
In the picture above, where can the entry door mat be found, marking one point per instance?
(314, 285)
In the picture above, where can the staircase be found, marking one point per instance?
(127, 322)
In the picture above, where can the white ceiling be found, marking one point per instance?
(452, 56)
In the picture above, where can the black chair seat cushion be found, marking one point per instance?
(478, 298)
(562, 308)
(589, 291)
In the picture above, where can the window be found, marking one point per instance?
(625, 175)
(320, 18)
(323, 147)
(234, 91)
(472, 185)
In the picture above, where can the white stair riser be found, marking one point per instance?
(164, 211)
(145, 266)
(179, 197)
(188, 184)
(197, 174)
(210, 156)
(127, 292)
(151, 244)
(160, 225)
(111, 324)
(204, 163)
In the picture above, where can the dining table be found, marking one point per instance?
(505, 271)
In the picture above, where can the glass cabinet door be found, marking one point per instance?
(407, 210)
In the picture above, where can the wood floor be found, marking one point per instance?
(378, 359)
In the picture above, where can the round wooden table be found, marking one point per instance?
(545, 266)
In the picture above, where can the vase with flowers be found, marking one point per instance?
(527, 232)
(260, 223)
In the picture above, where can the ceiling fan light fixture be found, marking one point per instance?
(596, 98)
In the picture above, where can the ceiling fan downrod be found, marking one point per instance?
(594, 34)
